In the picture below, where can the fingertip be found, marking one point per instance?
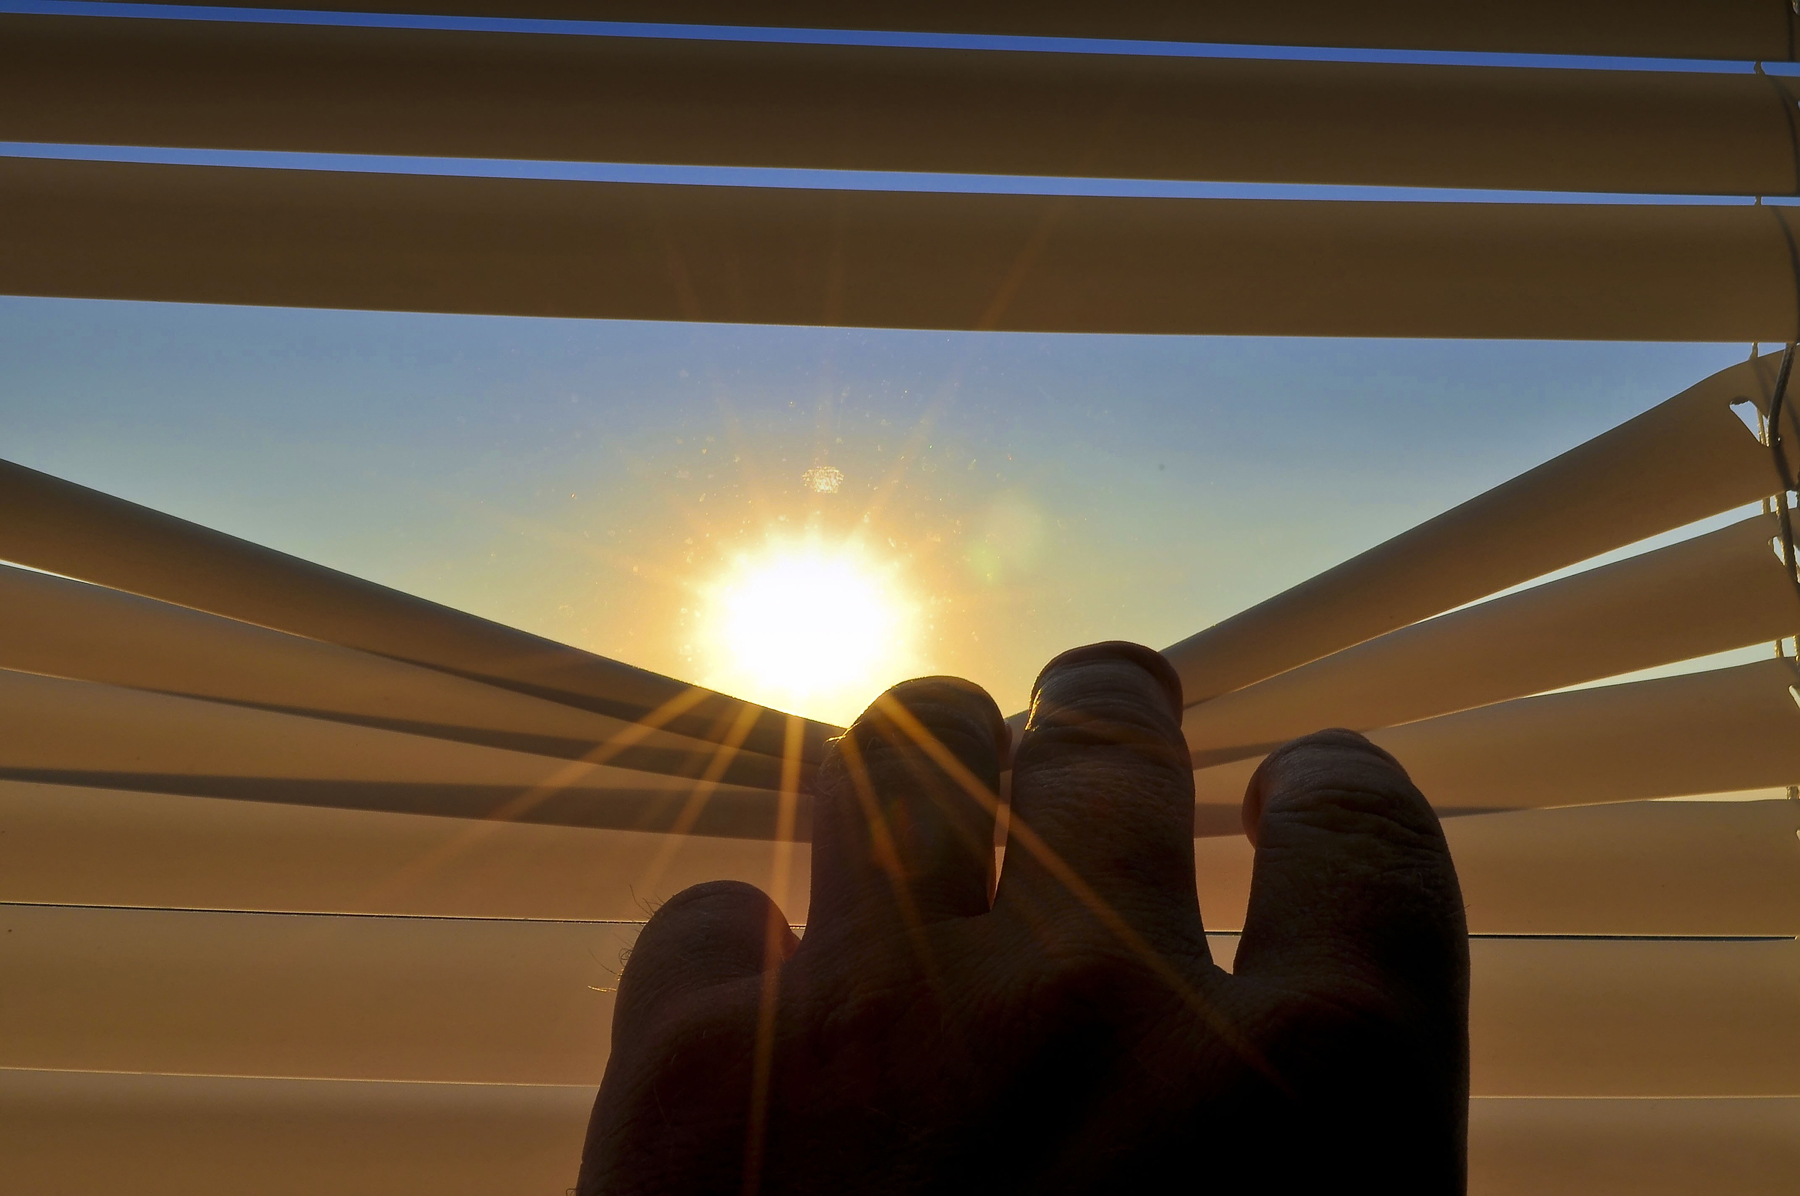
(1112, 653)
(1335, 757)
(1349, 849)
(706, 934)
(1103, 788)
(947, 707)
(906, 800)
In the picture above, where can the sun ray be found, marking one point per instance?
(887, 858)
(723, 755)
(1083, 892)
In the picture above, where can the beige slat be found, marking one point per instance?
(64, 528)
(1743, 29)
(1634, 868)
(101, 81)
(71, 629)
(892, 259)
(1718, 731)
(308, 996)
(1718, 591)
(515, 1002)
(1634, 1017)
(1659, 1147)
(1668, 868)
(66, 844)
(81, 733)
(1587, 501)
(82, 1133)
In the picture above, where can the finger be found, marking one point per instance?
(1356, 918)
(1353, 889)
(903, 816)
(683, 1035)
(703, 936)
(1103, 792)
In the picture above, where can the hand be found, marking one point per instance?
(1072, 1034)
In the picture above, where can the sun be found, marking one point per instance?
(808, 627)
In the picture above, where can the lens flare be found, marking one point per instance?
(810, 628)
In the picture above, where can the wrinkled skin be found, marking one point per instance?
(1073, 1034)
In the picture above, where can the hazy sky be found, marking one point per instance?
(589, 480)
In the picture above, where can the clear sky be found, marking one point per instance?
(594, 481)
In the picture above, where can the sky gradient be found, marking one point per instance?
(589, 481)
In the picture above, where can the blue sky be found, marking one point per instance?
(1050, 489)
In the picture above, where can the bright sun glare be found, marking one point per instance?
(811, 628)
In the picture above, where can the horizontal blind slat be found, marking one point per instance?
(517, 1002)
(1027, 263)
(95, 1134)
(1744, 29)
(435, 93)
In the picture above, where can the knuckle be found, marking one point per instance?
(1083, 978)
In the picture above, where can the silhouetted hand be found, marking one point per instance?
(1073, 1034)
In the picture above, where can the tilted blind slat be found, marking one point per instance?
(1718, 591)
(66, 628)
(65, 528)
(1029, 263)
(80, 733)
(1718, 731)
(1587, 501)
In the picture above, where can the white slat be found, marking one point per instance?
(1676, 1146)
(1719, 731)
(1718, 591)
(1634, 1017)
(516, 1002)
(465, 94)
(1587, 501)
(81, 733)
(308, 996)
(889, 259)
(64, 528)
(99, 1134)
(65, 844)
(1730, 868)
(66, 628)
(1635, 868)
(1739, 29)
